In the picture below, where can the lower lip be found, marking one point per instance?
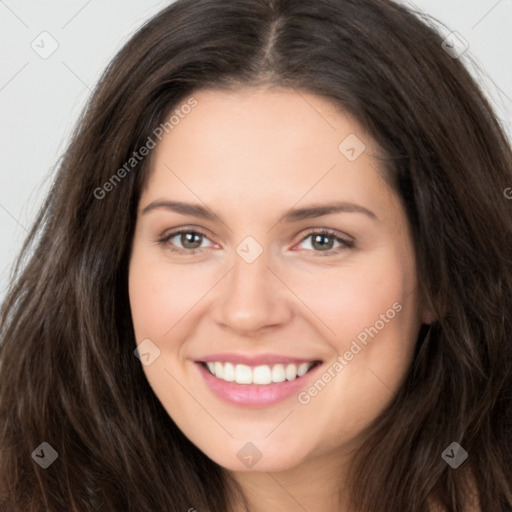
(253, 395)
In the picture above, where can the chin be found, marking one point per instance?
(256, 456)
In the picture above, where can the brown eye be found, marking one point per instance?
(326, 242)
(186, 241)
(322, 242)
(191, 240)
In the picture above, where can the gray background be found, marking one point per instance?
(40, 99)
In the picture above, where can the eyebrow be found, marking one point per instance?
(292, 215)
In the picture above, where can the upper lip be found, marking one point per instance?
(254, 359)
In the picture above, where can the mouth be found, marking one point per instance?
(261, 375)
(256, 385)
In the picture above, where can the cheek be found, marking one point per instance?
(352, 297)
(373, 312)
(161, 294)
(368, 313)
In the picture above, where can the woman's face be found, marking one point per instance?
(295, 257)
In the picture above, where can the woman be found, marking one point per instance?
(273, 273)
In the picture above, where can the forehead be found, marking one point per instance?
(273, 124)
(265, 146)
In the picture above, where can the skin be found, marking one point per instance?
(250, 156)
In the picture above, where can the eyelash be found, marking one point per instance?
(345, 242)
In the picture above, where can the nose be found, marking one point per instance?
(251, 299)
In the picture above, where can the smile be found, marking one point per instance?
(256, 382)
(261, 375)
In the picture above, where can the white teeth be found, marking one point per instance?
(261, 375)
(278, 374)
(243, 374)
(302, 369)
(229, 372)
(291, 371)
(219, 370)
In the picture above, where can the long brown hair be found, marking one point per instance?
(68, 375)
